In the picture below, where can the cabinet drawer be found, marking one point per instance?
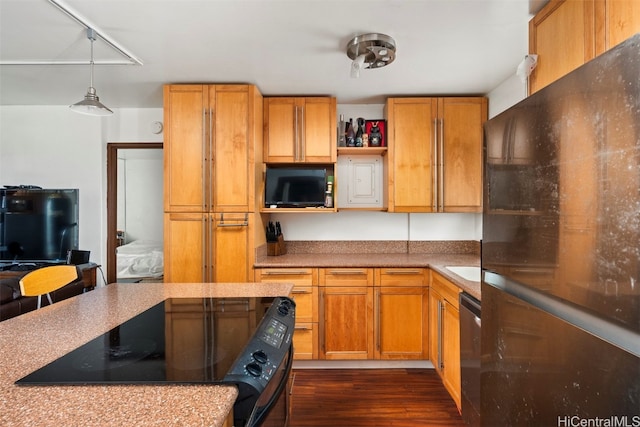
(402, 277)
(306, 298)
(297, 276)
(345, 277)
(305, 341)
(444, 287)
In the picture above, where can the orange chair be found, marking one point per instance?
(47, 279)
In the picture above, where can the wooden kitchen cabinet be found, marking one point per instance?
(444, 331)
(346, 313)
(209, 247)
(213, 136)
(300, 130)
(567, 33)
(209, 147)
(401, 313)
(435, 154)
(305, 295)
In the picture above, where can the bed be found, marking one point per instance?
(140, 259)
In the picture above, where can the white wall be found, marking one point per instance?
(52, 147)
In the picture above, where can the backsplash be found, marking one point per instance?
(378, 247)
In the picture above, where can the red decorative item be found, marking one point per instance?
(377, 131)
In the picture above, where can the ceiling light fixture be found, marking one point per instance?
(91, 104)
(371, 50)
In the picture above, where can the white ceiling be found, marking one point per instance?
(285, 47)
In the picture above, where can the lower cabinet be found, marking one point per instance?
(305, 295)
(444, 328)
(401, 313)
(346, 310)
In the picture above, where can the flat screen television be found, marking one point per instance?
(294, 187)
(38, 225)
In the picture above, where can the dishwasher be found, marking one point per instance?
(470, 327)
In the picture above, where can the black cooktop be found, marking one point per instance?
(180, 340)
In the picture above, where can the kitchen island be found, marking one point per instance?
(32, 340)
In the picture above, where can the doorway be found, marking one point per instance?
(116, 151)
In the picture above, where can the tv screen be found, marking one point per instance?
(293, 187)
(38, 224)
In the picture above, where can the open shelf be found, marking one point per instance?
(362, 150)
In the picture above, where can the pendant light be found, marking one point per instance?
(91, 104)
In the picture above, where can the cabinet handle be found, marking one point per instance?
(346, 272)
(434, 175)
(400, 272)
(439, 326)
(302, 328)
(205, 241)
(234, 224)
(283, 272)
(377, 310)
(300, 291)
(322, 327)
(302, 136)
(441, 167)
(296, 139)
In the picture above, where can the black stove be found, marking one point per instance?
(241, 341)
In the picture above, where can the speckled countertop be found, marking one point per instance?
(381, 254)
(32, 340)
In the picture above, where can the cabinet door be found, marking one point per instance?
(346, 323)
(184, 148)
(460, 164)
(411, 136)
(318, 144)
(402, 323)
(184, 247)
(305, 290)
(231, 247)
(300, 130)
(232, 142)
(621, 20)
(451, 351)
(563, 35)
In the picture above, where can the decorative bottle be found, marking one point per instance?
(351, 134)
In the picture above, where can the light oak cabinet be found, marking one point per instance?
(305, 295)
(300, 130)
(567, 33)
(346, 313)
(435, 154)
(209, 247)
(401, 313)
(444, 331)
(213, 136)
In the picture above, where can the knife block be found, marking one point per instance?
(277, 248)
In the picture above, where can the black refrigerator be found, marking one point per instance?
(560, 336)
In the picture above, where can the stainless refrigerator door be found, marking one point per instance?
(538, 369)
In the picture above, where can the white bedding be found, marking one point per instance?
(140, 259)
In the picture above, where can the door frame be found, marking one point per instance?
(112, 198)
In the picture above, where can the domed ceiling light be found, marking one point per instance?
(91, 104)
(371, 50)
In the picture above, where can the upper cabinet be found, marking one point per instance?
(300, 130)
(210, 134)
(435, 154)
(567, 33)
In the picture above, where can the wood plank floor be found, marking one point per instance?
(371, 397)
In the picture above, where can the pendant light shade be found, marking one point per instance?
(91, 104)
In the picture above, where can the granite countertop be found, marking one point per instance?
(34, 339)
(435, 261)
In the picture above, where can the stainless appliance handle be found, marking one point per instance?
(570, 312)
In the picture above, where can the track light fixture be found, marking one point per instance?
(371, 50)
(91, 104)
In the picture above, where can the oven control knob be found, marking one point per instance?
(260, 356)
(254, 369)
(283, 309)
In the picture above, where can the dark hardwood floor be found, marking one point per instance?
(371, 397)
